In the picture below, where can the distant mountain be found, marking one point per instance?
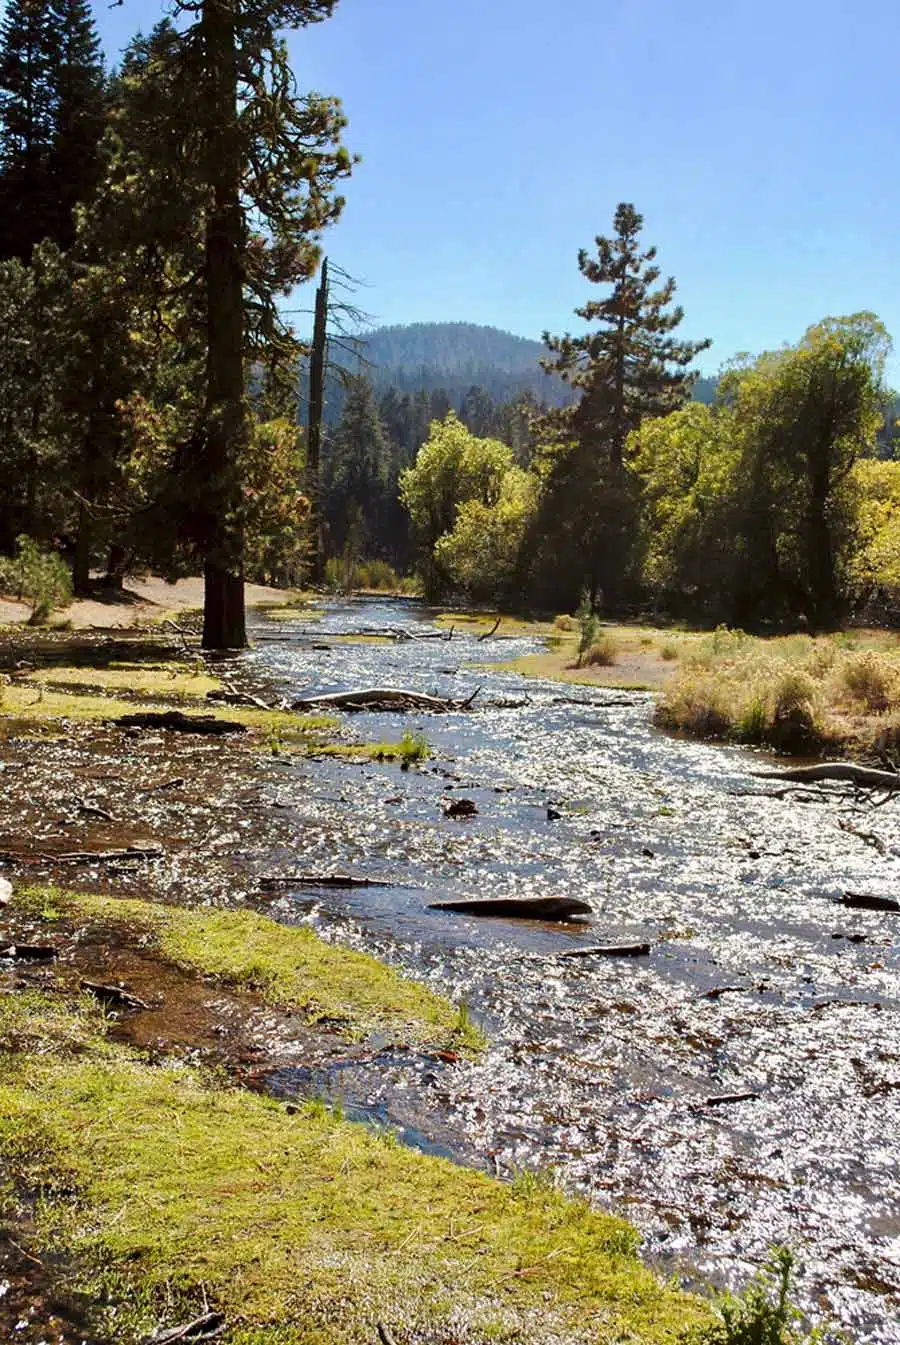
(455, 356)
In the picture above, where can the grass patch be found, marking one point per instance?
(163, 680)
(795, 693)
(290, 967)
(412, 747)
(165, 1191)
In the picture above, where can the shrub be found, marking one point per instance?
(602, 653)
(669, 651)
(870, 680)
(377, 574)
(697, 706)
(564, 622)
(40, 577)
(588, 623)
(763, 1314)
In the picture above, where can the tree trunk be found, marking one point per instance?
(314, 426)
(226, 427)
(81, 560)
(116, 561)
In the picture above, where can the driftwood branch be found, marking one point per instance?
(844, 772)
(610, 950)
(343, 880)
(381, 698)
(862, 901)
(493, 631)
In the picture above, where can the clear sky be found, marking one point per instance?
(757, 137)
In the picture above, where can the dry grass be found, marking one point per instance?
(600, 653)
(793, 692)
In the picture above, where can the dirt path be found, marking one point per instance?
(140, 602)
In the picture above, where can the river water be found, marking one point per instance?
(601, 1069)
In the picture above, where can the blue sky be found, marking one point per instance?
(758, 139)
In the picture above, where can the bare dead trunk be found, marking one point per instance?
(224, 625)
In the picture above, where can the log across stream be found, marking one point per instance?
(735, 1086)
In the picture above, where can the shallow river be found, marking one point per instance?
(601, 1068)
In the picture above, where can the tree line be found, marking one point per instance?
(152, 218)
(763, 504)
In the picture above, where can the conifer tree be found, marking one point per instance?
(27, 124)
(628, 368)
(631, 366)
(80, 97)
(52, 104)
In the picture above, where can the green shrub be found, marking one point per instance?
(763, 1314)
(588, 623)
(40, 577)
(669, 652)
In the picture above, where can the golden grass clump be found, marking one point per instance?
(564, 622)
(870, 680)
(600, 653)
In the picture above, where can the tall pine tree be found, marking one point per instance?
(631, 366)
(52, 95)
(628, 368)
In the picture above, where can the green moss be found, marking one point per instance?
(411, 747)
(166, 1192)
(291, 967)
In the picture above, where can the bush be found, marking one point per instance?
(697, 706)
(564, 622)
(588, 623)
(669, 652)
(763, 1314)
(377, 574)
(601, 654)
(40, 577)
(870, 680)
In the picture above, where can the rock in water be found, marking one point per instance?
(522, 908)
(5, 891)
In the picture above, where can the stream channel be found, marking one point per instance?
(600, 1069)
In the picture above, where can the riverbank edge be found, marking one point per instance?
(70, 1103)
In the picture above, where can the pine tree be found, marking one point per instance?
(79, 115)
(628, 368)
(52, 105)
(27, 125)
(631, 367)
(355, 480)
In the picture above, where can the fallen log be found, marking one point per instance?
(719, 990)
(178, 722)
(116, 995)
(862, 901)
(525, 908)
(229, 696)
(610, 950)
(721, 1099)
(844, 772)
(343, 880)
(380, 698)
(28, 952)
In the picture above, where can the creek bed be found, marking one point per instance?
(601, 1069)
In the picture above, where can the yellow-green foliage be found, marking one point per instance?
(167, 1192)
(789, 691)
(877, 488)
(291, 967)
(411, 747)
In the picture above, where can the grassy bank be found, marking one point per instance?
(291, 967)
(838, 693)
(163, 1192)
